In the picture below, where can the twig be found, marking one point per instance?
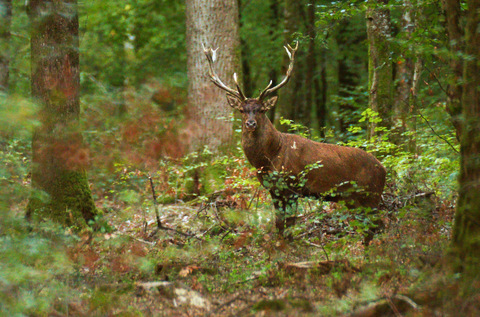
(408, 301)
(434, 132)
(253, 197)
(159, 223)
(393, 307)
(187, 235)
(137, 239)
(226, 233)
(320, 246)
(225, 225)
(202, 207)
(238, 297)
(437, 80)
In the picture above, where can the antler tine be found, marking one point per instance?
(262, 94)
(211, 57)
(238, 86)
(291, 55)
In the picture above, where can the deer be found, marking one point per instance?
(290, 166)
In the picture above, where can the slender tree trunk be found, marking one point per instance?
(466, 230)
(411, 120)
(119, 79)
(311, 69)
(273, 73)
(321, 88)
(59, 155)
(288, 105)
(117, 70)
(5, 23)
(379, 65)
(408, 77)
(455, 35)
(348, 77)
(404, 73)
(214, 24)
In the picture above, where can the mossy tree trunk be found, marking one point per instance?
(60, 188)
(5, 23)
(380, 67)
(466, 230)
(453, 16)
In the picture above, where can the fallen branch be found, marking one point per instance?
(227, 303)
(187, 235)
(318, 246)
(137, 239)
(398, 304)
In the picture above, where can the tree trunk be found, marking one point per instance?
(466, 230)
(380, 68)
(321, 95)
(288, 103)
(273, 73)
(247, 75)
(59, 155)
(348, 77)
(214, 24)
(408, 73)
(6, 20)
(455, 35)
(311, 69)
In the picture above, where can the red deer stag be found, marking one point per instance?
(290, 166)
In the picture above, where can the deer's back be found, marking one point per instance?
(330, 166)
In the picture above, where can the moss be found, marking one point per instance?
(69, 201)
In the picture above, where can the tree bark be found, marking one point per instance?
(455, 35)
(273, 73)
(466, 230)
(321, 88)
(59, 155)
(380, 68)
(214, 24)
(6, 20)
(408, 73)
(246, 71)
(311, 62)
(348, 77)
(288, 105)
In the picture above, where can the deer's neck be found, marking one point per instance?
(262, 145)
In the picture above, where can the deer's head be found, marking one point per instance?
(252, 109)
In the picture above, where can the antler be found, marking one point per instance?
(211, 57)
(291, 55)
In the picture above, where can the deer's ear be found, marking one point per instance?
(268, 104)
(234, 102)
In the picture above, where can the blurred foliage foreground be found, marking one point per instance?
(217, 252)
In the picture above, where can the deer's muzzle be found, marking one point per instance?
(250, 124)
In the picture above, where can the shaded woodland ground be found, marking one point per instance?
(177, 231)
(218, 254)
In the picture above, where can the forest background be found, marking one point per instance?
(104, 103)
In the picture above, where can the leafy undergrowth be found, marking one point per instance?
(210, 259)
(217, 252)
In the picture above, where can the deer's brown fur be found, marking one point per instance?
(291, 166)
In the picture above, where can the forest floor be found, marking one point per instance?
(213, 260)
